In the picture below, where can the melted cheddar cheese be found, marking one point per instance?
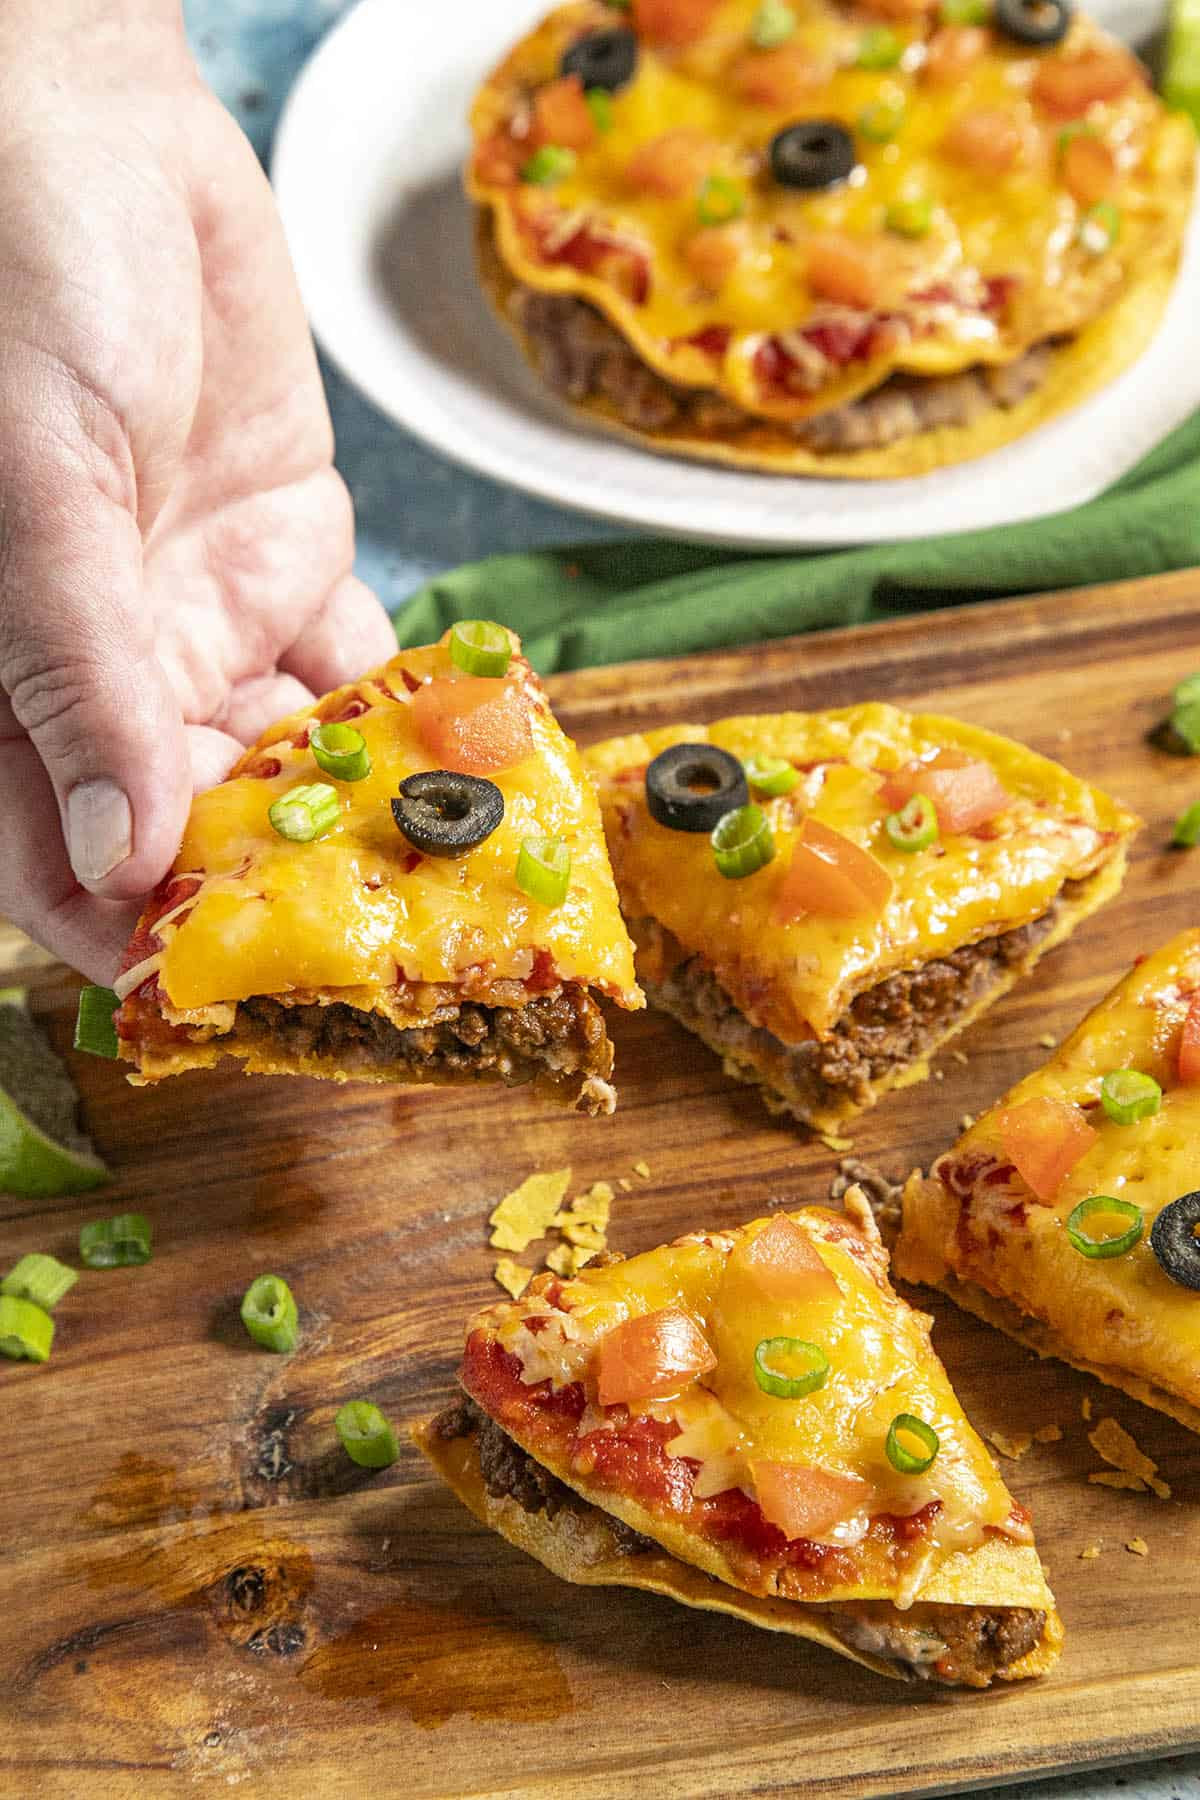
(797, 979)
(881, 1364)
(1121, 1316)
(1006, 260)
(357, 910)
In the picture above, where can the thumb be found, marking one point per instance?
(77, 658)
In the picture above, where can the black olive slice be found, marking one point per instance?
(1173, 1240)
(813, 154)
(447, 814)
(603, 59)
(1033, 21)
(690, 786)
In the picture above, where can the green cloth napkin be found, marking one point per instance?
(602, 603)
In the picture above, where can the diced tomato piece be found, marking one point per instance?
(592, 253)
(785, 1265)
(1044, 1138)
(651, 1356)
(672, 22)
(474, 724)
(1089, 170)
(561, 115)
(965, 790)
(844, 269)
(497, 161)
(801, 1501)
(714, 341)
(1189, 1044)
(1067, 85)
(830, 875)
(713, 253)
(673, 164)
(778, 78)
(952, 51)
(989, 139)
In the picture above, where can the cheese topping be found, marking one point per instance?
(1005, 257)
(797, 979)
(357, 908)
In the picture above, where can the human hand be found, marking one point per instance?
(175, 545)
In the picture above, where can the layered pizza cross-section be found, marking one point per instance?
(752, 1422)
(407, 882)
(826, 898)
(1067, 1215)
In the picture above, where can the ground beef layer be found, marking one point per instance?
(970, 1644)
(581, 356)
(887, 1028)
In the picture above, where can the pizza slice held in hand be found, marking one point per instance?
(753, 1422)
(407, 882)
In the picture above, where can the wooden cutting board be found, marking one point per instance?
(197, 1590)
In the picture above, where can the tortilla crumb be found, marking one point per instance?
(624, 1184)
(1048, 1434)
(642, 1169)
(528, 1212)
(939, 1074)
(1086, 1408)
(960, 1056)
(1119, 1478)
(1089, 1553)
(1047, 1042)
(1012, 1447)
(567, 1259)
(966, 1122)
(1111, 1441)
(1139, 1546)
(513, 1277)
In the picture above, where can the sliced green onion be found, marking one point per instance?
(1181, 64)
(119, 1243)
(915, 826)
(367, 1437)
(42, 1279)
(1187, 828)
(1187, 692)
(1127, 1096)
(911, 217)
(599, 104)
(771, 774)
(775, 1358)
(1105, 1205)
(269, 1313)
(774, 23)
(341, 752)
(25, 1330)
(902, 1459)
(305, 813)
(881, 121)
(1185, 724)
(742, 842)
(879, 48)
(964, 12)
(479, 647)
(1100, 227)
(95, 1031)
(1068, 134)
(720, 201)
(549, 164)
(544, 870)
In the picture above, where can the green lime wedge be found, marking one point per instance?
(42, 1150)
(1181, 68)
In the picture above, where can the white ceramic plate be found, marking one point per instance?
(366, 169)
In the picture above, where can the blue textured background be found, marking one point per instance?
(418, 514)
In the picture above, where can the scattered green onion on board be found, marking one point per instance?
(770, 774)
(305, 813)
(1105, 1206)
(914, 827)
(1187, 828)
(1127, 1096)
(903, 1458)
(120, 1243)
(95, 1030)
(270, 1315)
(789, 1367)
(599, 104)
(479, 647)
(26, 1332)
(774, 23)
(367, 1437)
(341, 751)
(550, 164)
(544, 870)
(882, 120)
(41, 1279)
(742, 842)
(720, 201)
(879, 48)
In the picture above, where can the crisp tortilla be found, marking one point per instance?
(578, 1546)
(1079, 368)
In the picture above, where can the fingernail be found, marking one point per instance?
(99, 828)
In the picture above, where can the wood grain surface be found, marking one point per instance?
(198, 1591)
